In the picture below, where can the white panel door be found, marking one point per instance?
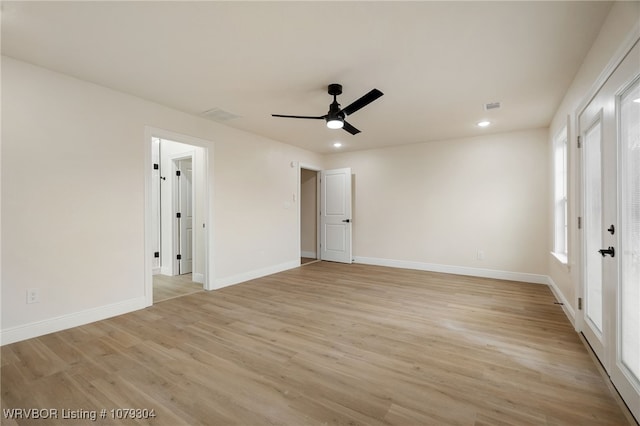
(335, 215)
(610, 320)
(186, 216)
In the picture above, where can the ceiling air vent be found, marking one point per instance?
(219, 115)
(491, 105)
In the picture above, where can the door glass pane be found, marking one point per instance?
(593, 225)
(630, 229)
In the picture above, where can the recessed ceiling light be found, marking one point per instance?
(483, 123)
(337, 144)
(637, 101)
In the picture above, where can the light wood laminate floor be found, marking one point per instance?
(324, 344)
(167, 287)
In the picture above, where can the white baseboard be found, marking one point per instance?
(311, 254)
(51, 325)
(251, 275)
(155, 271)
(165, 270)
(566, 306)
(458, 270)
(478, 272)
(197, 277)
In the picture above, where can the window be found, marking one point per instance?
(560, 245)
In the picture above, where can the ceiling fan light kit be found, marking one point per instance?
(335, 123)
(335, 118)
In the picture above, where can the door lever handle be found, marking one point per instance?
(346, 220)
(610, 251)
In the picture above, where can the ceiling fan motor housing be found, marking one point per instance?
(335, 89)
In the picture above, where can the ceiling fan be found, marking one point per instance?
(335, 117)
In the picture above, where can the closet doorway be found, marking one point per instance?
(309, 227)
(325, 214)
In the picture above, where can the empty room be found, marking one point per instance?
(320, 212)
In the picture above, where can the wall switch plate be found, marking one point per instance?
(33, 295)
(480, 255)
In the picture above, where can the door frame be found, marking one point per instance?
(299, 166)
(316, 169)
(208, 203)
(175, 207)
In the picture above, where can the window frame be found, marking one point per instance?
(560, 196)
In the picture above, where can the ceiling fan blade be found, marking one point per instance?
(322, 117)
(362, 102)
(349, 128)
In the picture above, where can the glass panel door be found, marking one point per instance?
(610, 321)
(629, 294)
(593, 225)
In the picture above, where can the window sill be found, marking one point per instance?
(561, 257)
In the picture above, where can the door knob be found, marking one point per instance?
(612, 229)
(347, 220)
(610, 251)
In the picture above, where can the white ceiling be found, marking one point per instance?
(436, 62)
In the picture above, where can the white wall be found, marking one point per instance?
(255, 210)
(73, 174)
(436, 204)
(619, 27)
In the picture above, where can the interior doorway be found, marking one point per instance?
(325, 214)
(167, 287)
(178, 202)
(309, 183)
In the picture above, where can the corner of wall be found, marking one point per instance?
(252, 275)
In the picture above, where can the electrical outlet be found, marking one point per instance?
(480, 255)
(33, 295)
